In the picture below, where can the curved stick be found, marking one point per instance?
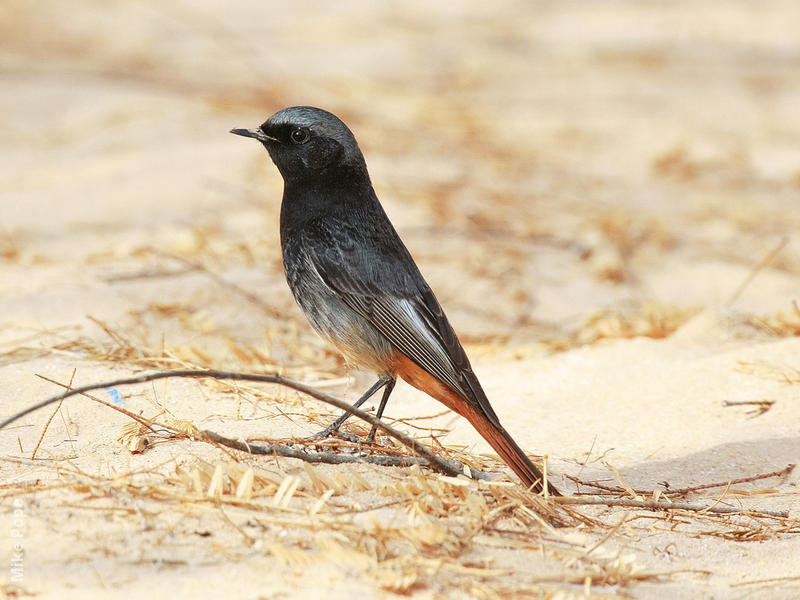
(446, 467)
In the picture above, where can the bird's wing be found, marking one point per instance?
(378, 279)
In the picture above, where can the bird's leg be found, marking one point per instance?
(384, 399)
(385, 380)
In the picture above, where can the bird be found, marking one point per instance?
(358, 284)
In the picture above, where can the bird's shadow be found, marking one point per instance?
(719, 464)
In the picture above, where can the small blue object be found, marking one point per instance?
(115, 396)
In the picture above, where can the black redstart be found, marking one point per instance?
(356, 281)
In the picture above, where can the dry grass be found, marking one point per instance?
(407, 529)
(651, 320)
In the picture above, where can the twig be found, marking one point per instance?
(326, 457)
(142, 420)
(625, 485)
(599, 486)
(756, 270)
(782, 473)
(682, 491)
(763, 405)
(653, 505)
(434, 461)
(770, 581)
(611, 532)
(121, 341)
(50, 420)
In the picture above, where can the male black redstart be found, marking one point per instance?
(356, 281)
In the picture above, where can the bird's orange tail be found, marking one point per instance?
(507, 448)
(498, 438)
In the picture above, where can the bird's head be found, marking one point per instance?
(308, 143)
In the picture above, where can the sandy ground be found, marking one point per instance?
(605, 197)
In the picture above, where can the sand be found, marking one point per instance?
(603, 196)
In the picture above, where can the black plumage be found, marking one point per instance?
(355, 280)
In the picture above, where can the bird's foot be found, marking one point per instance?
(331, 432)
(336, 432)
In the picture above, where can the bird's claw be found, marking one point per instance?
(329, 432)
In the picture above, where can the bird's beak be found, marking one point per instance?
(255, 134)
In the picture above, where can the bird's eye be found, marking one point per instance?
(300, 135)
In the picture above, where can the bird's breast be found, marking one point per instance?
(352, 334)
